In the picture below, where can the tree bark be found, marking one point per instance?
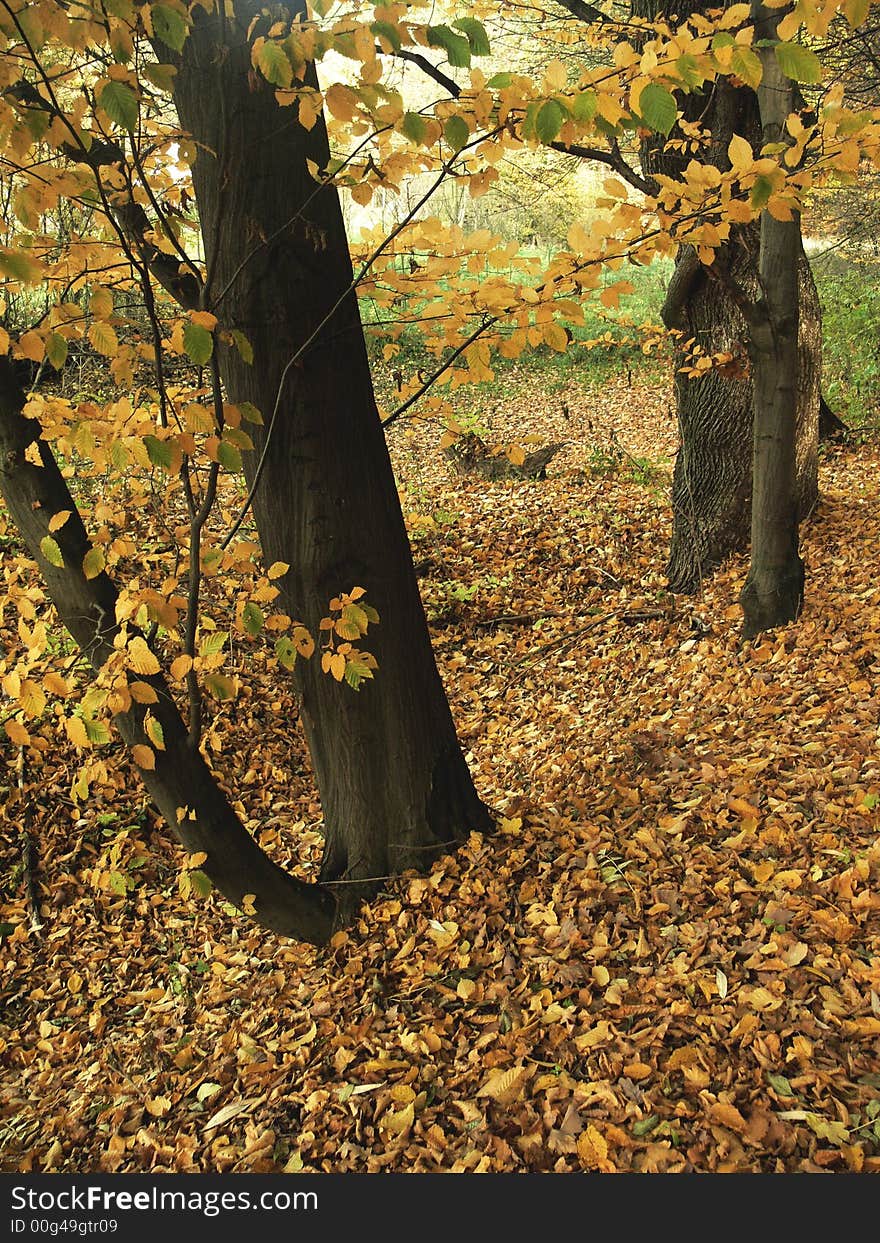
(773, 592)
(393, 783)
(181, 784)
(712, 478)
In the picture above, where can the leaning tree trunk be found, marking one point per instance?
(774, 589)
(179, 781)
(712, 480)
(392, 780)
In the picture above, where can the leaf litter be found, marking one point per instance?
(666, 959)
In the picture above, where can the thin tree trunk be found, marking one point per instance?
(181, 784)
(393, 783)
(773, 592)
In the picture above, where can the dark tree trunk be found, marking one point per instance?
(181, 784)
(712, 480)
(774, 590)
(393, 783)
(831, 426)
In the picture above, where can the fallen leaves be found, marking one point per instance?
(665, 960)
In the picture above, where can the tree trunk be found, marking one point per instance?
(712, 479)
(393, 783)
(773, 592)
(181, 784)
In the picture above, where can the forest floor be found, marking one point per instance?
(667, 958)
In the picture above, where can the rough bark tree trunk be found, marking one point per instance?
(712, 479)
(774, 590)
(393, 783)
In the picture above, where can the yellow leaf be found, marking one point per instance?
(729, 1116)
(74, 983)
(143, 693)
(505, 1086)
(103, 339)
(93, 563)
(158, 1106)
(143, 756)
(592, 1150)
(204, 319)
(141, 659)
(31, 698)
(398, 1121)
(56, 685)
(556, 337)
(101, 303)
(337, 666)
(17, 733)
(32, 346)
(277, 569)
(76, 731)
(739, 152)
(57, 521)
(180, 667)
(248, 902)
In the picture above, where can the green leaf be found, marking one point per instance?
(229, 456)
(50, 550)
(456, 132)
(549, 121)
(161, 76)
(388, 32)
(159, 451)
(476, 35)
(19, 266)
(285, 650)
(238, 436)
(780, 1085)
(198, 343)
(252, 618)
(498, 81)
(798, 63)
(746, 64)
(220, 686)
(584, 107)
(56, 350)
(356, 672)
(169, 26)
(274, 65)
(212, 643)
(658, 108)
(456, 47)
(120, 103)
(414, 127)
(244, 347)
(761, 191)
(97, 731)
(645, 1125)
(201, 883)
(689, 71)
(250, 413)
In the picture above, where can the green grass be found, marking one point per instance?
(850, 297)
